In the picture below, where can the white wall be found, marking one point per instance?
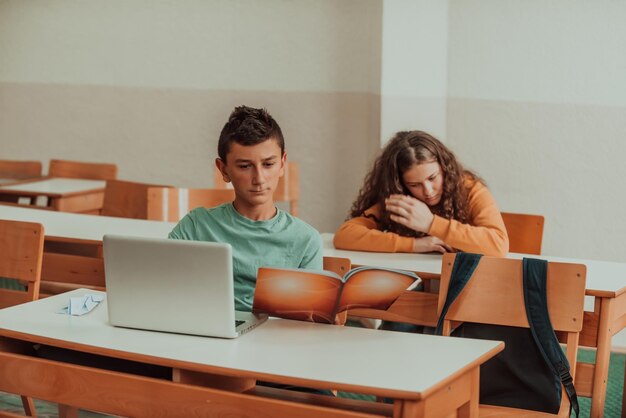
(537, 99)
(537, 105)
(149, 84)
(414, 66)
(217, 44)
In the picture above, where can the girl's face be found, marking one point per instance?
(425, 182)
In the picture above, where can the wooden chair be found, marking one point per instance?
(337, 265)
(20, 259)
(172, 204)
(82, 170)
(525, 232)
(128, 199)
(495, 295)
(10, 169)
(288, 189)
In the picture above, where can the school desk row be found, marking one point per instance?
(73, 254)
(61, 194)
(140, 200)
(216, 377)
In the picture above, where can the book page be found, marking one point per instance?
(375, 288)
(304, 295)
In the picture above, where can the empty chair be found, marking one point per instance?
(525, 232)
(82, 170)
(13, 169)
(20, 259)
(157, 202)
(126, 199)
(172, 204)
(495, 296)
(288, 189)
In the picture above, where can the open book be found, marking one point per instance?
(318, 296)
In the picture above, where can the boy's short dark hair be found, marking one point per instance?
(249, 126)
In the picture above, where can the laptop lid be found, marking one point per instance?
(171, 285)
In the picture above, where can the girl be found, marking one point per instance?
(419, 198)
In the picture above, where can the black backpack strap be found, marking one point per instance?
(464, 266)
(535, 274)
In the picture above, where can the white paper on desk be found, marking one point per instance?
(81, 305)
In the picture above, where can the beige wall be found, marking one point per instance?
(414, 67)
(537, 105)
(149, 84)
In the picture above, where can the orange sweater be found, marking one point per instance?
(484, 234)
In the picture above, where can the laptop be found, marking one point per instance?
(177, 286)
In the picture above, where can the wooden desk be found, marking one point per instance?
(73, 243)
(427, 376)
(66, 195)
(606, 286)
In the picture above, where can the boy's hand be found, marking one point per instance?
(410, 212)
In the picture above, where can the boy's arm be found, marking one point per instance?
(313, 256)
(184, 229)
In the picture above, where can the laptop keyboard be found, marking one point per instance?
(238, 322)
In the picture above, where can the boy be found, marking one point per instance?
(252, 157)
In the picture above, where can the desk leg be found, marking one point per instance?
(603, 355)
(457, 399)
(408, 409)
(66, 411)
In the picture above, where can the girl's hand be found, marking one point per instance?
(430, 244)
(410, 212)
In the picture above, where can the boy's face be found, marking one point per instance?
(254, 171)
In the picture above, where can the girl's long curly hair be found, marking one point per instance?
(404, 150)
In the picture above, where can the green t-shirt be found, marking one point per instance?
(283, 241)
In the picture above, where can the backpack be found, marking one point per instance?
(529, 373)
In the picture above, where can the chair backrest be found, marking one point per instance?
(495, 295)
(337, 265)
(126, 199)
(11, 169)
(20, 259)
(172, 204)
(525, 232)
(288, 189)
(82, 170)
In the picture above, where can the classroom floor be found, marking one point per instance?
(612, 408)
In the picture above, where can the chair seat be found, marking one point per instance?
(490, 411)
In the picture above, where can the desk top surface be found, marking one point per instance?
(323, 355)
(54, 186)
(603, 277)
(86, 227)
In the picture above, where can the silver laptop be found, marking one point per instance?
(175, 286)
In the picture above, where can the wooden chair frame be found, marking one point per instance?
(13, 169)
(525, 232)
(495, 295)
(21, 259)
(127, 199)
(172, 204)
(82, 170)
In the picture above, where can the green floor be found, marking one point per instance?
(612, 408)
